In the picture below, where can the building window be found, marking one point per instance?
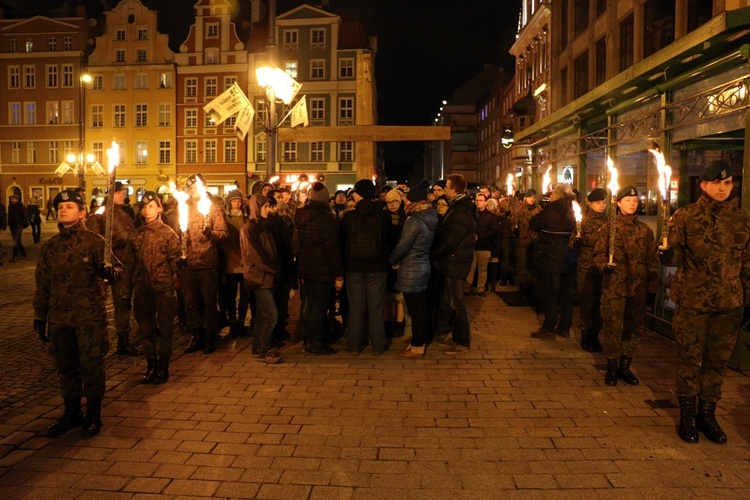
(15, 113)
(563, 23)
(209, 121)
(699, 13)
(582, 16)
(31, 152)
(68, 43)
(120, 55)
(581, 75)
(291, 68)
(13, 45)
(97, 149)
(119, 81)
(346, 108)
(141, 115)
(229, 81)
(14, 77)
(626, 42)
(97, 82)
(601, 6)
(658, 18)
(563, 86)
(142, 33)
(141, 80)
(191, 151)
(29, 77)
(141, 152)
(140, 55)
(165, 80)
(52, 75)
(212, 56)
(53, 152)
(119, 117)
(68, 112)
(165, 152)
(318, 38)
(209, 147)
(290, 151)
(346, 67)
(317, 108)
(601, 61)
(212, 30)
(53, 112)
(165, 114)
(229, 122)
(291, 39)
(316, 151)
(230, 150)
(29, 45)
(52, 44)
(15, 152)
(317, 69)
(67, 148)
(30, 118)
(346, 151)
(67, 73)
(191, 87)
(211, 86)
(260, 150)
(119, 34)
(262, 109)
(97, 115)
(191, 118)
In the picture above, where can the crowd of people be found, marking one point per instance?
(386, 261)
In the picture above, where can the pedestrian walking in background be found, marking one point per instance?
(50, 211)
(35, 218)
(628, 280)
(18, 220)
(70, 313)
(709, 243)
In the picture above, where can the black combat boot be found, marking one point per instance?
(148, 377)
(71, 418)
(596, 346)
(610, 378)
(196, 343)
(124, 348)
(92, 424)
(209, 346)
(624, 372)
(162, 372)
(707, 424)
(686, 428)
(586, 339)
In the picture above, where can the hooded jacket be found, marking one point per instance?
(260, 257)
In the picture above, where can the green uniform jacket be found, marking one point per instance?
(711, 242)
(590, 225)
(202, 250)
(151, 256)
(122, 226)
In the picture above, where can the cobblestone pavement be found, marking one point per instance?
(514, 417)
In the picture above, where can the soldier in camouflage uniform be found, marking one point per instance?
(589, 277)
(709, 242)
(70, 314)
(521, 217)
(121, 299)
(151, 258)
(627, 281)
(200, 277)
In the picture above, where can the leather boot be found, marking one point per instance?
(124, 348)
(71, 418)
(707, 424)
(686, 428)
(148, 377)
(610, 378)
(196, 343)
(162, 371)
(208, 345)
(92, 424)
(586, 339)
(624, 372)
(596, 346)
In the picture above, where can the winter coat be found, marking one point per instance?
(151, 256)
(488, 225)
(260, 257)
(351, 264)
(555, 224)
(230, 247)
(122, 226)
(202, 250)
(453, 250)
(319, 248)
(17, 216)
(412, 253)
(3, 218)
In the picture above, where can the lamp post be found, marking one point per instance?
(83, 80)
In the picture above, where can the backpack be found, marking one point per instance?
(365, 243)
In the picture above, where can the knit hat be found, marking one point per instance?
(716, 171)
(418, 192)
(318, 192)
(281, 205)
(597, 194)
(365, 188)
(119, 186)
(441, 183)
(627, 191)
(394, 194)
(234, 194)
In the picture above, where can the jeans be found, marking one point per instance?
(265, 321)
(557, 300)
(316, 295)
(454, 296)
(416, 303)
(366, 291)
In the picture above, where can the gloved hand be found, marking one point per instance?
(182, 263)
(40, 327)
(665, 255)
(106, 272)
(609, 268)
(577, 243)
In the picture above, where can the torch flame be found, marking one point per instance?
(113, 156)
(204, 205)
(182, 198)
(101, 210)
(546, 180)
(509, 184)
(577, 211)
(613, 186)
(665, 173)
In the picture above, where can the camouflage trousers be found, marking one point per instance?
(200, 289)
(523, 273)
(79, 358)
(122, 312)
(155, 312)
(622, 319)
(590, 297)
(705, 341)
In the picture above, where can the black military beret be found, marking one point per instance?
(68, 195)
(148, 197)
(529, 192)
(627, 191)
(119, 186)
(716, 171)
(597, 194)
(191, 180)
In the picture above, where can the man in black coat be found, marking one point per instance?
(555, 262)
(18, 220)
(488, 225)
(452, 254)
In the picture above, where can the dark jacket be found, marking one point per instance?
(351, 264)
(3, 218)
(230, 247)
(319, 248)
(122, 226)
(260, 258)
(412, 253)
(17, 216)
(453, 250)
(488, 225)
(555, 223)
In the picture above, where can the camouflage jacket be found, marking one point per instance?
(203, 251)
(151, 256)
(521, 217)
(637, 267)
(590, 225)
(122, 226)
(68, 290)
(711, 242)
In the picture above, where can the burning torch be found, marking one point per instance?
(613, 189)
(665, 175)
(113, 158)
(579, 217)
(205, 202)
(546, 181)
(182, 209)
(509, 185)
